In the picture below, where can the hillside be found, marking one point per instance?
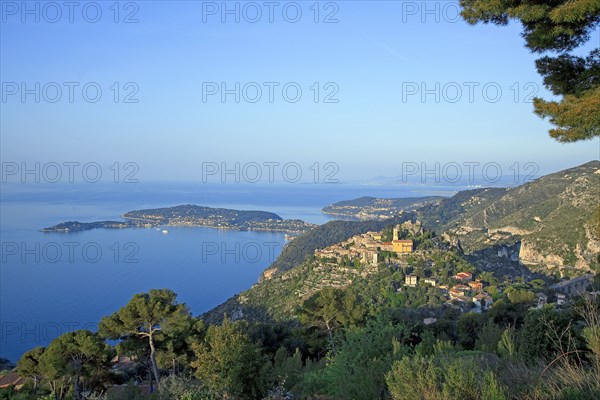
(293, 261)
(281, 297)
(381, 285)
(552, 221)
(322, 236)
(555, 217)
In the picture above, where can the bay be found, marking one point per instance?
(51, 283)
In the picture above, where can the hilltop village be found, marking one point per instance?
(372, 248)
(408, 244)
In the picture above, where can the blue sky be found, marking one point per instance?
(376, 50)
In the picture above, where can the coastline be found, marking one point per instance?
(183, 216)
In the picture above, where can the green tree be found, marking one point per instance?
(427, 345)
(506, 344)
(150, 316)
(488, 337)
(357, 369)
(81, 355)
(558, 26)
(175, 352)
(543, 333)
(520, 295)
(414, 378)
(460, 381)
(137, 349)
(54, 378)
(322, 310)
(229, 363)
(352, 309)
(288, 369)
(537, 284)
(469, 325)
(488, 276)
(490, 388)
(28, 365)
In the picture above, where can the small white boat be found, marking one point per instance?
(165, 231)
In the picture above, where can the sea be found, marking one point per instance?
(53, 283)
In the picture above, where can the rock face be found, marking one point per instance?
(591, 232)
(580, 255)
(502, 259)
(414, 228)
(454, 242)
(529, 254)
(509, 252)
(237, 314)
(267, 274)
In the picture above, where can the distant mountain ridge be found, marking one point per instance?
(367, 207)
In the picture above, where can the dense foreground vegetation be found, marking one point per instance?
(338, 351)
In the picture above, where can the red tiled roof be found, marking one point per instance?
(463, 275)
(11, 380)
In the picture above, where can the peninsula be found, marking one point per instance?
(190, 215)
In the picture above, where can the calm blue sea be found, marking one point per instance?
(51, 283)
